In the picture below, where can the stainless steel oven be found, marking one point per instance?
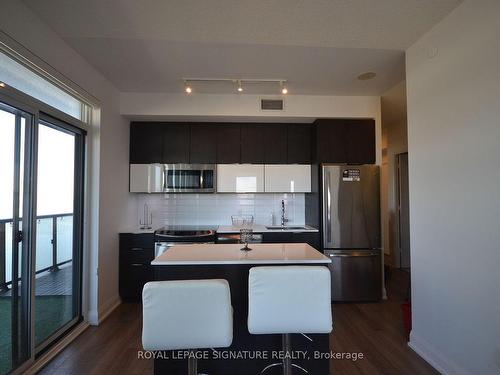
(182, 235)
(189, 178)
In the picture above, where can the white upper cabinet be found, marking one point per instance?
(240, 178)
(289, 178)
(146, 178)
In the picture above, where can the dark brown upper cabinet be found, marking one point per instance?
(203, 144)
(345, 141)
(331, 141)
(275, 144)
(252, 143)
(145, 143)
(299, 143)
(325, 141)
(228, 143)
(176, 142)
(361, 141)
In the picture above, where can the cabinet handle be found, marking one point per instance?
(136, 249)
(137, 264)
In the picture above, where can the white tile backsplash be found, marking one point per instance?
(216, 209)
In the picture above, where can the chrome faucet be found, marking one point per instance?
(283, 219)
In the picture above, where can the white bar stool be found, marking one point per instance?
(187, 315)
(289, 299)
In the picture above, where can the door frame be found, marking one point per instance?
(25, 304)
(13, 98)
(398, 196)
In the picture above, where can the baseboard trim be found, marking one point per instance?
(57, 348)
(96, 317)
(93, 317)
(434, 357)
(108, 309)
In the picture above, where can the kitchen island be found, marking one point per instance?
(248, 354)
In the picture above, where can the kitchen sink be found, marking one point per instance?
(286, 227)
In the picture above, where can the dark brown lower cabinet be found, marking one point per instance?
(135, 270)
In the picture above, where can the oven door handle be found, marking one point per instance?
(212, 233)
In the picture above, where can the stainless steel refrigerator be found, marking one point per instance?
(351, 230)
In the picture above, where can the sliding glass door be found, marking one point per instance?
(15, 275)
(58, 229)
(41, 218)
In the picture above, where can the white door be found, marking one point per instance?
(240, 178)
(287, 178)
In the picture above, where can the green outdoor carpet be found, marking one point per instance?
(51, 312)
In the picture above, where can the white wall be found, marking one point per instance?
(453, 83)
(394, 141)
(109, 139)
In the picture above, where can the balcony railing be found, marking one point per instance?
(54, 245)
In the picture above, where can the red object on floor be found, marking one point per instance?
(406, 310)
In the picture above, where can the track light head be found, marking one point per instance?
(284, 90)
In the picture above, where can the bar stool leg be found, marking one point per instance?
(192, 364)
(287, 360)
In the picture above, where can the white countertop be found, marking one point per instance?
(136, 230)
(226, 229)
(258, 228)
(221, 254)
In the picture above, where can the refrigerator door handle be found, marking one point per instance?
(353, 255)
(328, 209)
(164, 174)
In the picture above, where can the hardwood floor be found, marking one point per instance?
(374, 329)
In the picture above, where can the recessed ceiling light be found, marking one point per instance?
(366, 76)
(240, 89)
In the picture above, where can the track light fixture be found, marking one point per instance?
(284, 90)
(239, 81)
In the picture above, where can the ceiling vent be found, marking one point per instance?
(272, 104)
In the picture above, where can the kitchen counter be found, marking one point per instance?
(136, 230)
(257, 228)
(228, 229)
(221, 254)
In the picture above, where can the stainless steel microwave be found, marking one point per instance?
(173, 178)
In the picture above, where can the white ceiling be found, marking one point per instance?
(319, 46)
